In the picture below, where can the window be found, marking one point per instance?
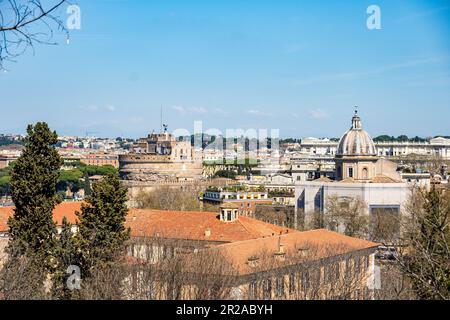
(336, 271)
(253, 290)
(350, 172)
(365, 173)
(267, 287)
(280, 286)
(305, 280)
(292, 287)
(348, 270)
(327, 270)
(168, 252)
(357, 264)
(364, 263)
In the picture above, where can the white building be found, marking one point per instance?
(434, 147)
(360, 174)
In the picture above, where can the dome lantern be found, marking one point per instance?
(356, 141)
(356, 121)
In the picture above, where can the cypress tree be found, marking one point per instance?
(101, 236)
(33, 188)
(31, 227)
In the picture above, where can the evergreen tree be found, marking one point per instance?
(33, 187)
(31, 228)
(102, 236)
(66, 254)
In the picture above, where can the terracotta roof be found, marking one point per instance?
(297, 246)
(173, 224)
(192, 225)
(5, 212)
(66, 209)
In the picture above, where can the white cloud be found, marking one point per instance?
(96, 108)
(110, 108)
(220, 112)
(136, 120)
(90, 108)
(319, 114)
(259, 113)
(179, 109)
(190, 110)
(199, 110)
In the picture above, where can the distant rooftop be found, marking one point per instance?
(189, 225)
(256, 255)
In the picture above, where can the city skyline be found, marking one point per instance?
(295, 67)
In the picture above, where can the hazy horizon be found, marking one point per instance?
(288, 65)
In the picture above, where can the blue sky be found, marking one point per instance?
(297, 66)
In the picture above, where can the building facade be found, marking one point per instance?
(246, 201)
(360, 175)
(438, 146)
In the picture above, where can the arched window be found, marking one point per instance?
(365, 173)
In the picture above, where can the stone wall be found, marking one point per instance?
(153, 168)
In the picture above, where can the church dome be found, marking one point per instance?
(356, 141)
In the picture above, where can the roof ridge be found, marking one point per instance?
(246, 229)
(300, 232)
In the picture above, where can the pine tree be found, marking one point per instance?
(33, 188)
(101, 236)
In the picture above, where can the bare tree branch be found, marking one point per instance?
(25, 23)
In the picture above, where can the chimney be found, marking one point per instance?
(208, 233)
(281, 254)
(303, 252)
(253, 262)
